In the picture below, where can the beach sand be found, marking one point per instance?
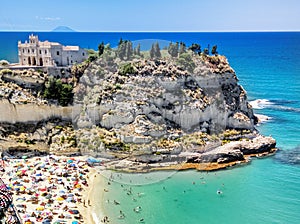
(57, 189)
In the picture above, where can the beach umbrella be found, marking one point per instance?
(74, 211)
(3, 187)
(5, 198)
(12, 219)
(75, 222)
(60, 199)
(40, 208)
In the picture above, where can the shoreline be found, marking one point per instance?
(94, 198)
(89, 196)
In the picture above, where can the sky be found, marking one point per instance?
(150, 15)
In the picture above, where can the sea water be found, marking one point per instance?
(265, 191)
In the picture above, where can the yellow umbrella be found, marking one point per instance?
(41, 208)
(60, 199)
(22, 188)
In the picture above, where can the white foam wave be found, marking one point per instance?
(263, 118)
(289, 109)
(260, 103)
(95, 218)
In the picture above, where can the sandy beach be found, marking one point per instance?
(54, 189)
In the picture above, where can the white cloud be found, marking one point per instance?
(48, 18)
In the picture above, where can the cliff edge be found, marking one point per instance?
(141, 113)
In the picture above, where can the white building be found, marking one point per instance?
(45, 53)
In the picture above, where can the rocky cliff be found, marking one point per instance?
(164, 111)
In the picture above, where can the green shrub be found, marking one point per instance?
(56, 90)
(127, 69)
(185, 60)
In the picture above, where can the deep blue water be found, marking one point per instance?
(268, 190)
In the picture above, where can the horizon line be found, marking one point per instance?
(153, 31)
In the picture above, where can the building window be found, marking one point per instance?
(45, 51)
(32, 50)
(23, 51)
(57, 52)
(40, 52)
(28, 51)
(82, 54)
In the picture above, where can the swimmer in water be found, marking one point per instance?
(219, 192)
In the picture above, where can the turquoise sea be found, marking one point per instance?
(265, 191)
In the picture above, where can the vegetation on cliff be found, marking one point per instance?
(171, 104)
(56, 90)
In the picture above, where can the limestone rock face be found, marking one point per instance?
(143, 111)
(166, 94)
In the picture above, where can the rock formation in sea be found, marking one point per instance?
(143, 113)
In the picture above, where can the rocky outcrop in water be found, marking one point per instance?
(162, 112)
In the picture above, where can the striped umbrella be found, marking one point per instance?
(5, 198)
(12, 219)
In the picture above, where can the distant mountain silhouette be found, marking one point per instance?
(63, 29)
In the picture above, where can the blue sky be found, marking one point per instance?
(151, 15)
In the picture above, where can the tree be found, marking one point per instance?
(66, 94)
(173, 49)
(120, 41)
(121, 51)
(100, 48)
(214, 50)
(206, 51)
(152, 52)
(138, 49)
(185, 60)
(196, 48)
(56, 90)
(157, 50)
(125, 50)
(129, 50)
(182, 48)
